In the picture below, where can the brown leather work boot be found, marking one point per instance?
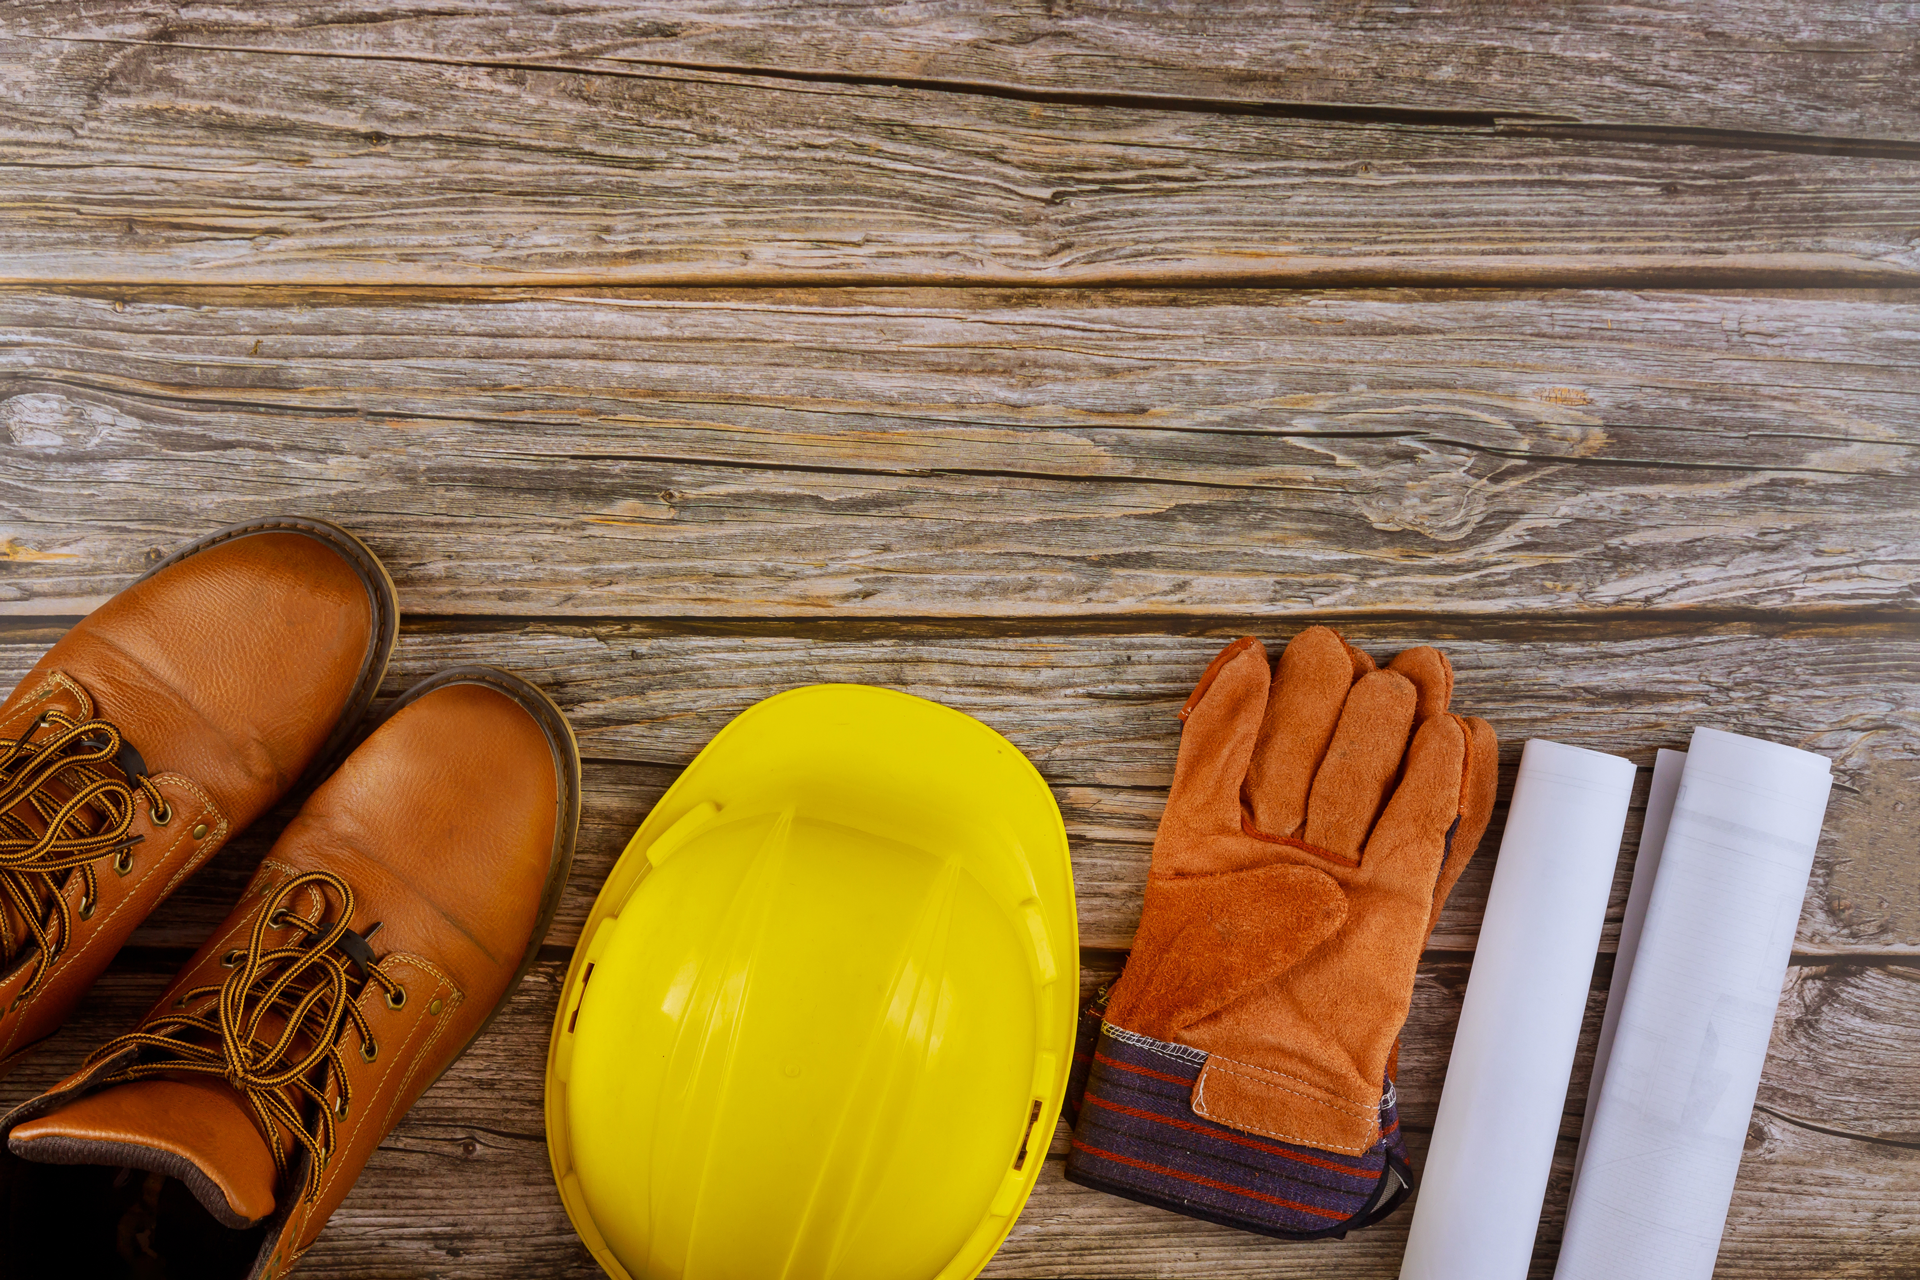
(167, 720)
(378, 938)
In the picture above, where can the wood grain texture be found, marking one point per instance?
(984, 454)
(1774, 67)
(1811, 1201)
(1622, 514)
(1097, 715)
(144, 159)
(1867, 1018)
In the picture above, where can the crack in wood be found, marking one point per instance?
(1497, 123)
(1598, 624)
(1835, 1131)
(627, 68)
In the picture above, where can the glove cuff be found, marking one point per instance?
(1136, 1135)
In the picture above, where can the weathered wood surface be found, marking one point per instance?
(1622, 513)
(166, 154)
(1096, 713)
(985, 454)
(476, 1139)
(1774, 68)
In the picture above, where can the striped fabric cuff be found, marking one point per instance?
(1135, 1134)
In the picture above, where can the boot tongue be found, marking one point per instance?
(198, 1131)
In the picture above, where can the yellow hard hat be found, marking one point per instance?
(821, 1022)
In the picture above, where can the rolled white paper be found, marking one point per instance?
(1667, 1134)
(1506, 1089)
(1653, 835)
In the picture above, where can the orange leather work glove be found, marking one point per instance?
(1317, 820)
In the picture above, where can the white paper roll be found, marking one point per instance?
(1506, 1090)
(1667, 1134)
(1646, 864)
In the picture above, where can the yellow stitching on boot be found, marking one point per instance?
(70, 954)
(209, 843)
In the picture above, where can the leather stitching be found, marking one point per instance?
(454, 1000)
(43, 691)
(1262, 1075)
(1177, 1052)
(375, 1086)
(387, 1074)
(1165, 1048)
(261, 884)
(208, 846)
(61, 680)
(93, 935)
(413, 1068)
(1256, 1074)
(295, 1228)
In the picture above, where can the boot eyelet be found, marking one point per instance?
(123, 861)
(340, 1107)
(86, 908)
(397, 998)
(230, 959)
(278, 920)
(369, 1050)
(163, 815)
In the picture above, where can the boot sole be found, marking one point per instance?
(566, 831)
(380, 643)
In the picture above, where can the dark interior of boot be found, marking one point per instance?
(95, 1223)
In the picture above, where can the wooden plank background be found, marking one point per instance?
(1018, 356)
(960, 453)
(307, 142)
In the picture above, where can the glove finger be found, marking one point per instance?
(1406, 849)
(1431, 674)
(1222, 721)
(1316, 671)
(1476, 808)
(1361, 662)
(1361, 762)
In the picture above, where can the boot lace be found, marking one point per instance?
(66, 801)
(276, 1033)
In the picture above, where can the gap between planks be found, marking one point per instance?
(876, 180)
(1538, 124)
(1595, 625)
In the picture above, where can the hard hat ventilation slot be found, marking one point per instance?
(1026, 1139)
(585, 978)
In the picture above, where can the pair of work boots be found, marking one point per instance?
(376, 940)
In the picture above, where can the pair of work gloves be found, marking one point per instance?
(1241, 1069)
